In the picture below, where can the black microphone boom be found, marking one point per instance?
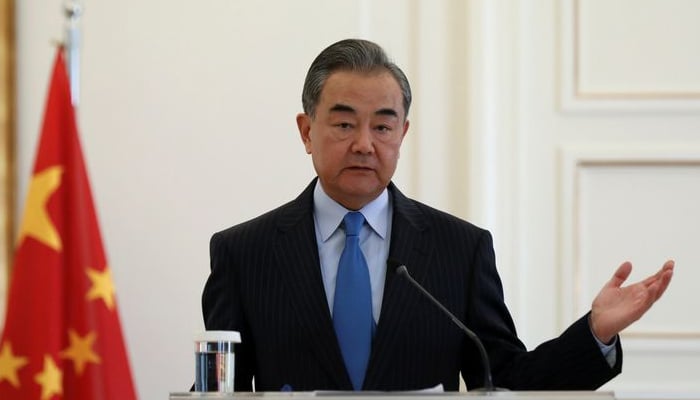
(488, 382)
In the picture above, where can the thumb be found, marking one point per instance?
(621, 275)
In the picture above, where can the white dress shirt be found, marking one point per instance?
(375, 237)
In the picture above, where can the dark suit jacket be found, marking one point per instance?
(266, 283)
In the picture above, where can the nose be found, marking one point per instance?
(363, 141)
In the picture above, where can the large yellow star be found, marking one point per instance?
(36, 222)
(102, 286)
(50, 379)
(80, 350)
(9, 365)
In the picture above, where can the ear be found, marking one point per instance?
(405, 129)
(403, 135)
(304, 126)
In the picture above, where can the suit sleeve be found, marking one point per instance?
(572, 361)
(223, 310)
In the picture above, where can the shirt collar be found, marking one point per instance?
(329, 213)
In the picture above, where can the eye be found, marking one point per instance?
(343, 125)
(383, 128)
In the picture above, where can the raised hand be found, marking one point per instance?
(617, 307)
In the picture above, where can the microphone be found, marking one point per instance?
(488, 382)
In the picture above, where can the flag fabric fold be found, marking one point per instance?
(62, 337)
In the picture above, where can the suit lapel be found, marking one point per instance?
(409, 248)
(297, 251)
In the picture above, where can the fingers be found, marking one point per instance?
(621, 275)
(666, 268)
(665, 278)
(656, 284)
(668, 265)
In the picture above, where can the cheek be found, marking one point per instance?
(330, 149)
(389, 155)
(324, 156)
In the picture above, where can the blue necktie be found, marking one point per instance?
(352, 306)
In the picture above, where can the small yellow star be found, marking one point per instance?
(102, 286)
(50, 379)
(9, 365)
(80, 350)
(36, 222)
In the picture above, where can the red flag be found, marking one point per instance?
(62, 337)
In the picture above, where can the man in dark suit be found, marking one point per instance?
(274, 278)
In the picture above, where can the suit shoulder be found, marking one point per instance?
(260, 226)
(436, 217)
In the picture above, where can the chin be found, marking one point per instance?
(362, 188)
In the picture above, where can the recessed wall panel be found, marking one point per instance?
(637, 48)
(644, 213)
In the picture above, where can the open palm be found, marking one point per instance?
(616, 307)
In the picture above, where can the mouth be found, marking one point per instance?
(359, 168)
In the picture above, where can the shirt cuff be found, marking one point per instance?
(609, 350)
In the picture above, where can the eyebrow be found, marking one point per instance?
(388, 112)
(342, 108)
(346, 108)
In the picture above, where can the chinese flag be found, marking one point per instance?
(62, 337)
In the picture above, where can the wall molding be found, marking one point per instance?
(573, 160)
(574, 99)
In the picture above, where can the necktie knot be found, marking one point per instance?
(353, 223)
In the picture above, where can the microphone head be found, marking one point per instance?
(401, 270)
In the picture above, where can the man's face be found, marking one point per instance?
(355, 137)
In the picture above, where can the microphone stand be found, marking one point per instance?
(488, 381)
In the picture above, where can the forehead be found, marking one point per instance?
(362, 91)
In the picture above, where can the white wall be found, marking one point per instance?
(607, 169)
(187, 118)
(187, 121)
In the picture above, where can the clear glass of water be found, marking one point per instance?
(215, 361)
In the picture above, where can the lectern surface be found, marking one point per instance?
(505, 395)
